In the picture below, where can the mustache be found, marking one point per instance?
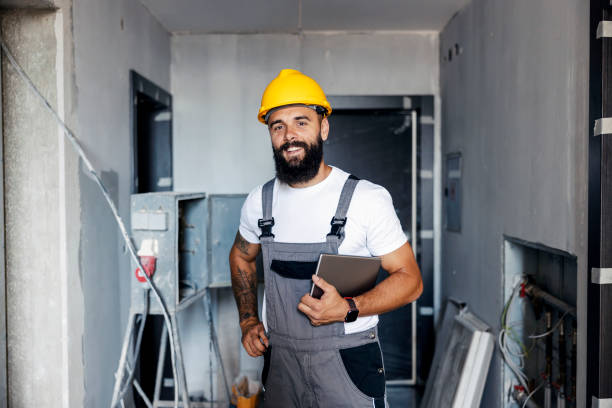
(288, 145)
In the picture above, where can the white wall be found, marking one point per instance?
(515, 103)
(217, 82)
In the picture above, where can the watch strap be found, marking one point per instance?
(353, 312)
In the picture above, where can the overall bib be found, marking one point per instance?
(307, 366)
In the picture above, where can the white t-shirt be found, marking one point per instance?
(303, 215)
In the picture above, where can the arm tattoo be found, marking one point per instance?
(241, 243)
(244, 285)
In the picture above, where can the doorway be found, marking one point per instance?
(151, 136)
(388, 140)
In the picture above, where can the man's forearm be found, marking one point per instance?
(399, 289)
(244, 285)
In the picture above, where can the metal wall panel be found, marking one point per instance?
(224, 210)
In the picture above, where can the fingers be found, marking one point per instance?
(320, 282)
(262, 336)
(255, 341)
(307, 310)
(310, 302)
(311, 307)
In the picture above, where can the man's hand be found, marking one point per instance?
(254, 337)
(329, 309)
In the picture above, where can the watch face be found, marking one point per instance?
(351, 316)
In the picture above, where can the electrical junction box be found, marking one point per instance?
(172, 228)
(190, 235)
(452, 192)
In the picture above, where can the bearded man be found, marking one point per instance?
(317, 352)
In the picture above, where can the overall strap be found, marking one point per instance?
(267, 222)
(339, 219)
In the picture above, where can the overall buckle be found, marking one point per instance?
(266, 227)
(337, 224)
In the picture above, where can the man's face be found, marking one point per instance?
(297, 135)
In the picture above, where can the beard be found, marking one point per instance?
(296, 171)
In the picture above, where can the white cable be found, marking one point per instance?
(504, 348)
(555, 327)
(92, 172)
(521, 377)
(532, 393)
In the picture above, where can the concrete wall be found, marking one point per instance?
(110, 38)
(33, 192)
(217, 81)
(515, 104)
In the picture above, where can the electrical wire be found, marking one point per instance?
(507, 332)
(532, 393)
(551, 331)
(94, 175)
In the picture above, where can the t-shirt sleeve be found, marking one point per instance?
(250, 213)
(384, 232)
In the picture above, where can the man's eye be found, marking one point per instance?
(301, 123)
(277, 128)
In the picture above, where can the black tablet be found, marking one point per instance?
(350, 275)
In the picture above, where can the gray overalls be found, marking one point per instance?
(307, 366)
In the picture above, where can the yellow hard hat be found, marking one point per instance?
(291, 87)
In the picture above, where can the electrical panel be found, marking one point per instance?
(186, 237)
(539, 325)
(171, 227)
(452, 192)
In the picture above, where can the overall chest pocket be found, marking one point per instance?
(296, 277)
(294, 269)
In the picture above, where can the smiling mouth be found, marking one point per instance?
(293, 150)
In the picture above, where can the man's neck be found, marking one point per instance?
(324, 171)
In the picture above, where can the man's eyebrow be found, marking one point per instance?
(274, 123)
(301, 118)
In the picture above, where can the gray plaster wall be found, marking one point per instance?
(515, 104)
(110, 38)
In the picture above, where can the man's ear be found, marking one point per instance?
(324, 129)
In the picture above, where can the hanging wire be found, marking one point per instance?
(94, 175)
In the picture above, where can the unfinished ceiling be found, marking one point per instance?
(289, 16)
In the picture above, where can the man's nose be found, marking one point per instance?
(290, 134)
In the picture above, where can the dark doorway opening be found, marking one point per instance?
(152, 136)
(372, 138)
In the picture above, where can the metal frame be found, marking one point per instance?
(466, 383)
(395, 102)
(599, 312)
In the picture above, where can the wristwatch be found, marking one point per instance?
(353, 312)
